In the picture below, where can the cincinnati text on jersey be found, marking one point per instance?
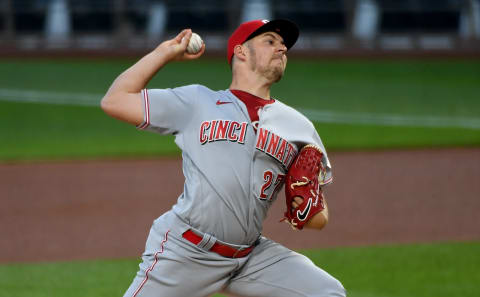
(216, 130)
(275, 146)
(267, 141)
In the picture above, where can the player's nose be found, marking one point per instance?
(282, 47)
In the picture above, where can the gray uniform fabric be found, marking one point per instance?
(233, 170)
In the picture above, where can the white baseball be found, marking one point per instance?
(195, 44)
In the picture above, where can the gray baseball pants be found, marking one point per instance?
(175, 267)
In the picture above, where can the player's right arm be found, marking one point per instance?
(123, 100)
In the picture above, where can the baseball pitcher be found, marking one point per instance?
(239, 147)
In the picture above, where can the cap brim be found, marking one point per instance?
(285, 28)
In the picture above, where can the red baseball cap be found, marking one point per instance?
(246, 31)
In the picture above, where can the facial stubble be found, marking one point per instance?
(273, 74)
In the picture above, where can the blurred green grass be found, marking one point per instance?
(446, 269)
(42, 131)
(420, 270)
(409, 87)
(433, 87)
(31, 131)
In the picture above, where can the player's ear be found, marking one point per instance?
(240, 52)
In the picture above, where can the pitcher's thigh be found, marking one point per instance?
(294, 275)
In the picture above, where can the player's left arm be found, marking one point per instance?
(320, 220)
(304, 181)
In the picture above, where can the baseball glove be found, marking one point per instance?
(304, 179)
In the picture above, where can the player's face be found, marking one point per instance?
(268, 55)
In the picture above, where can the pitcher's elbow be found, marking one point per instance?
(106, 105)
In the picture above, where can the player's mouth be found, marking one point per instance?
(279, 58)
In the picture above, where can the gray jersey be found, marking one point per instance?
(233, 168)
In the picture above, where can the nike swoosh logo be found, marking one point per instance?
(302, 215)
(223, 102)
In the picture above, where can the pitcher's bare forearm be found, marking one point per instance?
(135, 78)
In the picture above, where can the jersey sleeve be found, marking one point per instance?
(327, 177)
(167, 111)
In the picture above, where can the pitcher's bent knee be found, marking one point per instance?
(332, 288)
(336, 289)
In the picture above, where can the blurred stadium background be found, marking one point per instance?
(326, 25)
(393, 83)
